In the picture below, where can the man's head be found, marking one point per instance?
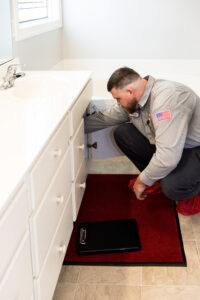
(127, 87)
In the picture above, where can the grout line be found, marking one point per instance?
(108, 283)
(77, 283)
(130, 285)
(193, 231)
(198, 251)
(195, 240)
(75, 291)
(141, 283)
(145, 285)
(168, 286)
(141, 277)
(140, 292)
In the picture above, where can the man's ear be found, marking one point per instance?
(130, 90)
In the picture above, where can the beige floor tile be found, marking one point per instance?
(107, 292)
(111, 275)
(171, 293)
(123, 283)
(189, 275)
(65, 292)
(196, 225)
(186, 228)
(69, 274)
(198, 248)
(114, 165)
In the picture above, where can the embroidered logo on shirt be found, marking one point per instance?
(136, 114)
(164, 115)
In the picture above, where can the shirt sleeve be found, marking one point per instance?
(170, 118)
(102, 119)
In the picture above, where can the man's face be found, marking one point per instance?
(126, 98)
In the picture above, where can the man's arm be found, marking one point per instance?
(102, 119)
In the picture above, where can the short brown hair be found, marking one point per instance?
(121, 77)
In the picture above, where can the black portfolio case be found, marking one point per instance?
(108, 236)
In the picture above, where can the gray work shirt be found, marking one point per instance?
(169, 116)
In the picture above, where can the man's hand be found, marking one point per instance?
(139, 189)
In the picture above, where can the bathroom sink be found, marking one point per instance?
(39, 86)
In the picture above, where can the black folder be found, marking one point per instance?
(108, 236)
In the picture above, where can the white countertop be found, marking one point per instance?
(27, 123)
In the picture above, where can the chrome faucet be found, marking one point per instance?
(11, 75)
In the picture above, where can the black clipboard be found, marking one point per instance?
(108, 237)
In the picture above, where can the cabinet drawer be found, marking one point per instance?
(78, 153)
(48, 161)
(80, 107)
(78, 190)
(46, 283)
(13, 226)
(46, 219)
(17, 282)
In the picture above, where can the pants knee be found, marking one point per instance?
(119, 133)
(167, 191)
(171, 191)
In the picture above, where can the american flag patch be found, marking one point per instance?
(163, 115)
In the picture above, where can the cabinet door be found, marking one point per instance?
(46, 283)
(44, 222)
(13, 226)
(17, 282)
(78, 189)
(80, 107)
(78, 147)
(48, 162)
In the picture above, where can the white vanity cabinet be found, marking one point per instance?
(48, 162)
(78, 153)
(51, 222)
(55, 178)
(15, 254)
(78, 171)
(37, 221)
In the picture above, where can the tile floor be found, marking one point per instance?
(135, 283)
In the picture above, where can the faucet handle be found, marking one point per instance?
(11, 75)
(13, 68)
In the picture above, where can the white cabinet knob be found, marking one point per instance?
(57, 152)
(81, 147)
(62, 248)
(59, 199)
(82, 185)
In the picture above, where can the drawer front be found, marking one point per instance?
(78, 152)
(78, 190)
(46, 283)
(49, 160)
(17, 282)
(13, 225)
(80, 107)
(46, 219)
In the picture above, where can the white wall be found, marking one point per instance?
(185, 71)
(5, 32)
(40, 52)
(131, 29)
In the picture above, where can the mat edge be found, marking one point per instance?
(151, 264)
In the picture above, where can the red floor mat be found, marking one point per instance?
(107, 197)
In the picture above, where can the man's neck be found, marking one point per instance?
(141, 88)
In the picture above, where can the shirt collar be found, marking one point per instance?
(147, 91)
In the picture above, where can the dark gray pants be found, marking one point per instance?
(182, 183)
